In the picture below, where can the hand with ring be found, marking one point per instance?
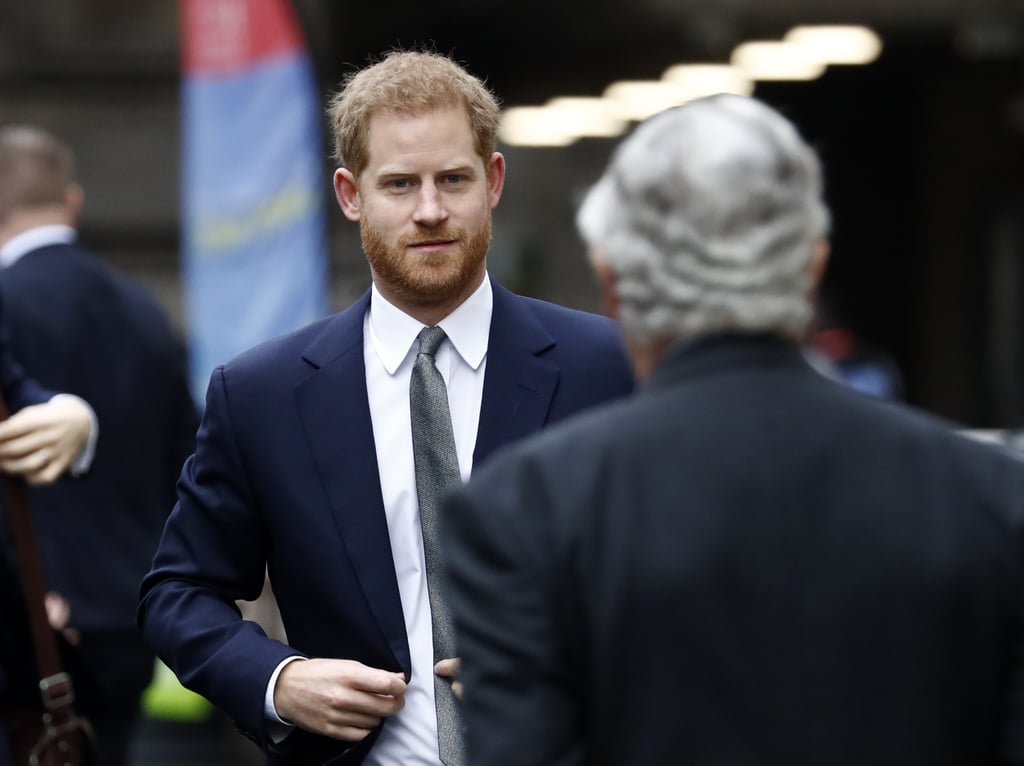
(41, 441)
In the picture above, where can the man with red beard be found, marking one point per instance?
(307, 462)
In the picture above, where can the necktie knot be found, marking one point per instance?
(431, 339)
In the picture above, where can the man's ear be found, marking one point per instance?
(347, 192)
(818, 264)
(495, 178)
(607, 281)
(74, 201)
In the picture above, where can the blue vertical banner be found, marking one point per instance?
(253, 225)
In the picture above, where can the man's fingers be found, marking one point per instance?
(348, 733)
(48, 474)
(30, 464)
(36, 459)
(381, 682)
(25, 444)
(18, 424)
(353, 720)
(58, 610)
(29, 419)
(447, 668)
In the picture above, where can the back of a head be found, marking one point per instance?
(408, 82)
(708, 214)
(35, 169)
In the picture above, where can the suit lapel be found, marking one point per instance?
(336, 416)
(518, 388)
(518, 384)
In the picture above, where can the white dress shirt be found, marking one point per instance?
(12, 251)
(389, 347)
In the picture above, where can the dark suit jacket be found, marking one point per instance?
(18, 389)
(79, 327)
(285, 473)
(744, 563)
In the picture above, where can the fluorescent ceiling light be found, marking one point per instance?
(585, 116)
(560, 122)
(802, 55)
(837, 44)
(709, 79)
(640, 99)
(533, 126)
(775, 60)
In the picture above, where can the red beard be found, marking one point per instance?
(431, 278)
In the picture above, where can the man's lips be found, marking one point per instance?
(432, 245)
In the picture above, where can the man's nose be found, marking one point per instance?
(430, 209)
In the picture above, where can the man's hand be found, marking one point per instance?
(58, 614)
(450, 669)
(41, 441)
(342, 699)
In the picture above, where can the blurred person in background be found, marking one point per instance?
(841, 352)
(79, 326)
(305, 460)
(745, 562)
(45, 436)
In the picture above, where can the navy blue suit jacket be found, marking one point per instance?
(18, 389)
(285, 475)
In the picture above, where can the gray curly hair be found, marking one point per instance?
(708, 214)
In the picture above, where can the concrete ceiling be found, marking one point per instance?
(528, 50)
(531, 50)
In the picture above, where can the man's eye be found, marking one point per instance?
(399, 183)
(453, 178)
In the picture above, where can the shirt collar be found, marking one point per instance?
(393, 332)
(33, 239)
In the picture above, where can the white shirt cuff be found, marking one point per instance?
(277, 727)
(83, 462)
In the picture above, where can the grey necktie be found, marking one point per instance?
(437, 468)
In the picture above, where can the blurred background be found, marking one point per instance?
(923, 148)
(922, 143)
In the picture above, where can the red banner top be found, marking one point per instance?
(223, 35)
